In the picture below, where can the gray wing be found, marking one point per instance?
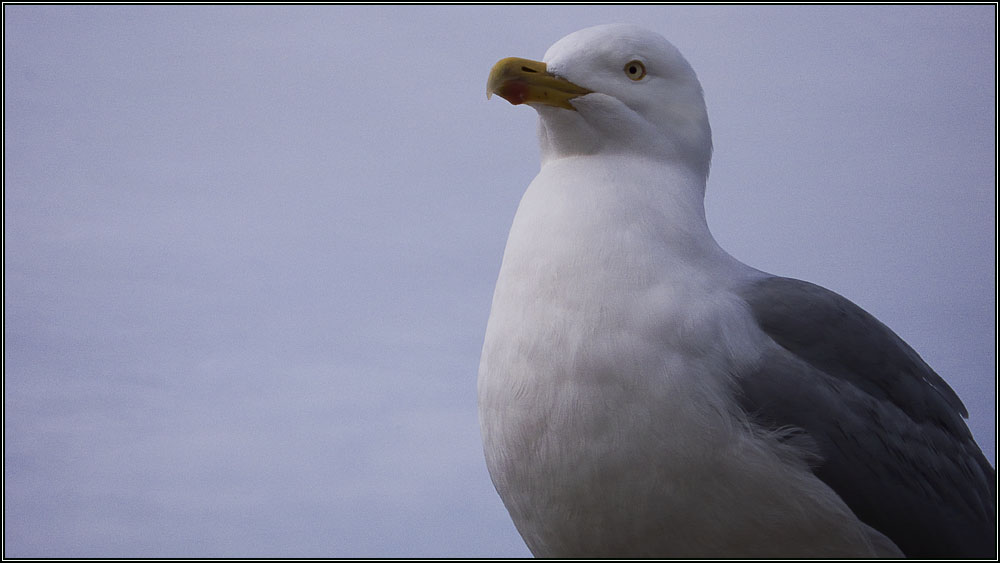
(889, 432)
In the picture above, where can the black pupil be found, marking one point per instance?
(633, 70)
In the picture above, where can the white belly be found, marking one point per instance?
(603, 444)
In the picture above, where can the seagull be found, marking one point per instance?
(642, 393)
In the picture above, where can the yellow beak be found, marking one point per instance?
(523, 81)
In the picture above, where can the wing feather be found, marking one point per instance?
(890, 434)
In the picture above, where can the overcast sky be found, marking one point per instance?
(249, 252)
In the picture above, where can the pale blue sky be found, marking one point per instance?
(250, 251)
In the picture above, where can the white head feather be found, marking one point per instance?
(662, 115)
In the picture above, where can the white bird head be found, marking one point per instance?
(612, 89)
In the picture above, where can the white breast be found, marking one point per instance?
(608, 421)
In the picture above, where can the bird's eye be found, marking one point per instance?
(635, 70)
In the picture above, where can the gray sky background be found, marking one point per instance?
(250, 251)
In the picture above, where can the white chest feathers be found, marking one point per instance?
(605, 393)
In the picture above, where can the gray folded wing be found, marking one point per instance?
(888, 432)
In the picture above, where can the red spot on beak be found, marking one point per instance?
(513, 91)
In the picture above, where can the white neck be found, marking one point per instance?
(607, 211)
